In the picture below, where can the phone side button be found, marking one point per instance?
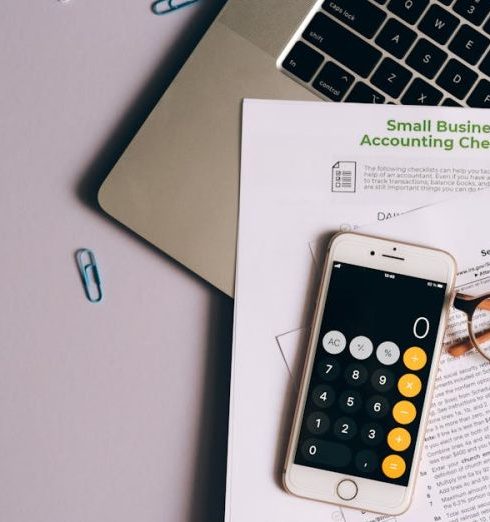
(347, 489)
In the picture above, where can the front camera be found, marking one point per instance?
(373, 252)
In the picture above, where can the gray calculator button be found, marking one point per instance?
(334, 342)
(388, 353)
(361, 347)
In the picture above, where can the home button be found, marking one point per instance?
(347, 489)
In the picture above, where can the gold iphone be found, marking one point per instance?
(369, 374)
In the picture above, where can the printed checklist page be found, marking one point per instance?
(308, 170)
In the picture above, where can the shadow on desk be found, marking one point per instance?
(207, 499)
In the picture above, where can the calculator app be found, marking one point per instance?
(368, 382)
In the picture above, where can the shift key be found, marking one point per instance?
(363, 16)
(341, 44)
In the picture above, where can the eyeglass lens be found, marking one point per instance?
(481, 327)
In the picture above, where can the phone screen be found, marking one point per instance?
(369, 379)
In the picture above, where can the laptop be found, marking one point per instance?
(177, 183)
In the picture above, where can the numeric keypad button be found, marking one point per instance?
(361, 347)
(317, 423)
(377, 406)
(328, 368)
(372, 434)
(350, 401)
(366, 461)
(382, 380)
(345, 428)
(334, 342)
(388, 353)
(356, 374)
(323, 396)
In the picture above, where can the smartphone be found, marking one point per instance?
(369, 373)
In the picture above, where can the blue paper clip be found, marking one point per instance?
(169, 5)
(87, 266)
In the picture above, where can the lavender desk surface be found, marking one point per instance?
(112, 412)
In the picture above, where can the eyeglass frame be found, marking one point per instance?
(468, 305)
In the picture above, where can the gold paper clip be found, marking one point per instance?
(87, 266)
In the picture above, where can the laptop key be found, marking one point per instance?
(438, 24)
(469, 44)
(485, 65)
(475, 11)
(360, 15)
(362, 93)
(391, 77)
(446, 2)
(480, 97)
(449, 102)
(421, 93)
(426, 58)
(342, 45)
(302, 61)
(333, 81)
(456, 78)
(396, 38)
(408, 10)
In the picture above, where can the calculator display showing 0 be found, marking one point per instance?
(371, 366)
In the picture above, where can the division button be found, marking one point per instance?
(366, 461)
(404, 412)
(317, 423)
(393, 466)
(334, 342)
(409, 385)
(346, 489)
(382, 380)
(330, 454)
(399, 439)
(361, 347)
(388, 353)
(415, 358)
(323, 396)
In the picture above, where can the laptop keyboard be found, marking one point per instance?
(414, 52)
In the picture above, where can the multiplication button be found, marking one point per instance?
(361, 347)
(409, 385)
(334, 342)
(388, 353)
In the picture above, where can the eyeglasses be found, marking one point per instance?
(477, 334)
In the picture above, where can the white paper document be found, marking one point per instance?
(310, 169)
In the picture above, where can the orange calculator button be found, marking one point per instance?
(415, 358)
(399, 439)
(393, 466)
(409, 385)
(404, 412)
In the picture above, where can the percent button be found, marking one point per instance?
(388, 353)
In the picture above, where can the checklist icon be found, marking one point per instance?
(344, 176)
